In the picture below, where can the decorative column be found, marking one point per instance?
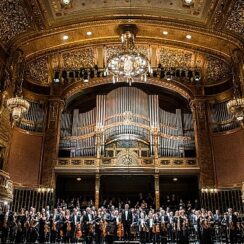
(157, 193)
(203, 143)
(97, 190)
(51, 141)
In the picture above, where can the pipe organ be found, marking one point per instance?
(221, 119)
(126, 117)
(35, 118)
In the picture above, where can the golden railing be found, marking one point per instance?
(108, 162)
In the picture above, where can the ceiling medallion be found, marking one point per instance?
(129, 63)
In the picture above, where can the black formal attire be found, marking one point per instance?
(87, 220)
(75, 219)
(127, 221)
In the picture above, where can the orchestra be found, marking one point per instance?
(109, 224)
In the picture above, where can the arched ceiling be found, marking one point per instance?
(38, 26)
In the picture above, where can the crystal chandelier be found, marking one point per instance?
(17, 107)
(236, 105)
(129, 63)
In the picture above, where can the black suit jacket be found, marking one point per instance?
(129, 217)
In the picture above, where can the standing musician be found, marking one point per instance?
(67, 227)
(232, 225)
(143, 228)
(75, 222)
(127, 221)
(119, 225)
(88, 220)
(156, 228)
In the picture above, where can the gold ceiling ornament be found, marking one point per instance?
(129, 63)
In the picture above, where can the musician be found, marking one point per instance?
(88, 220)
(206, 231)
(75, 220)
(4, 223)
(111, 227)
(143, 228)
(232, 225)
(127, 221)
(67, 227)
(42, 223)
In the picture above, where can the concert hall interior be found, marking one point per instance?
(115, 102)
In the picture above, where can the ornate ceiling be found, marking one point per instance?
(38, 27)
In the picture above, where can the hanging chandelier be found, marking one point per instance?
(235, 106)
(129, 63)
(17, 107)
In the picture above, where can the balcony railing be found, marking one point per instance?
(108, 162)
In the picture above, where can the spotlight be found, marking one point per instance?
(78, 179)
(175, 179)
(188, 2)
(168, 75)
(188, 37)
(86, 75)
(165, 33)
(88, 33)
(65, 37)
(56, 78)
(197, 76)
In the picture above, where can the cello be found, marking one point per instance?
(78, 233)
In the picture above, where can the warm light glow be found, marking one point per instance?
(188, 2)
(65, 2)
(89, 33)
(188, 37)
(175, 179)
(78, 179)
(65, 37)
(165, 32)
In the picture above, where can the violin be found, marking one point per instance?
(46, 228)
(120, 230)
(103, 228)
(78, 233)
(91, 228)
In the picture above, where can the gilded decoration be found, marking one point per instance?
(37, 71)
(172, 57)
(13, 20)
(217, 70)
(127, 157)
(6, 187)
(76, 59)
(235, 21)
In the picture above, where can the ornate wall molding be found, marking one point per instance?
(235, 21)
(74, 89)
(217, 70)
(37, 71)
(13, 20)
